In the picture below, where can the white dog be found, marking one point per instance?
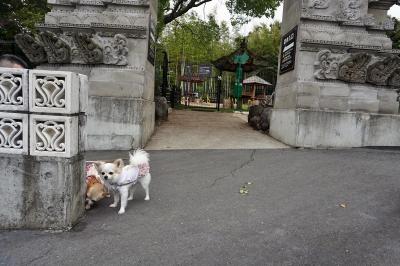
(122, 179)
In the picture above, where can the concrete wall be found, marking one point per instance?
(329, 129)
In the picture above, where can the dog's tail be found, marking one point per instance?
(138, 157)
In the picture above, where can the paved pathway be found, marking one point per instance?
(209, 130)
(291, 216)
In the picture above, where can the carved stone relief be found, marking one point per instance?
(388, 23)
(328, 65)
(90, 51)
(319, 4)
(394, 79)
(58, 51)
(31, 48)
(115, 52)
(350, 9)
(382, 70)
(77, 48)
(354, 68)
(370, 20)
(349, 12)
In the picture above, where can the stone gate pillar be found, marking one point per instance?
(112, 42)
(338, 76)
(42, 135)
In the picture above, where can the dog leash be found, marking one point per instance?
(115, 186)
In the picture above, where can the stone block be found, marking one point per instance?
(306, 58)
(14, 133)
(388, 103)
(388, 107)
(363, 92)
(291, 13)
(108, 82)
(337, 90)
(387, 95)
(54, 92)
(56, 136)
(286, 97)
(83, 93)
(82, 133)
(383, 130)
(364, 105)
(305, 66)
(115, 123)
(326, 129)
(148, 122)
(330, 129)
(149, 83)
(287, 79)
(41, 192)
(283, 125)
(309, 89)
(14, 89)
(305, 101)
(334, 103)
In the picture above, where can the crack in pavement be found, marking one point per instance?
(39, 257)
(233, 172)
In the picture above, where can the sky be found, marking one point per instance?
(222, 14)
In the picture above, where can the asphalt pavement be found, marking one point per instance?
(303, 207)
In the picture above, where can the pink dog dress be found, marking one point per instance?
(144, 169)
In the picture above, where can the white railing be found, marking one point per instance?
(42, 112)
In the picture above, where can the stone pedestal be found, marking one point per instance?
(42, 140)
(338, 84)
(41, 192)
(112, 42)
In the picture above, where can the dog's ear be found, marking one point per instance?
(119, 163)
(98, 165)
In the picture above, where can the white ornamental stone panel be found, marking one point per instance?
(54, 92)
(56, 136)
(14, 133)
(13, 89)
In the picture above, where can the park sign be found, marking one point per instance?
(288, 51)
(151, 54)
(205, 71)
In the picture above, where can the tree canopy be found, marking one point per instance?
(193, 40)
(395, 34)
(190, 40)
(20, 15)
(174, 9)
(265, 40)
